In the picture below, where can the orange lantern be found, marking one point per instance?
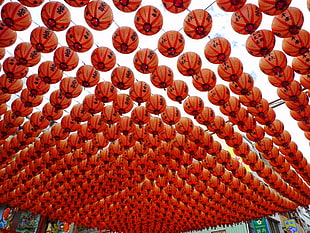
(92, 104)
(122, 77)
(13, 18)
(79, 114)
(127, 5)
(305, 81)
(9, 85)
(297, 45)
(106, 92)
(77, 3)
(154, 126)
(125, 40)
(197, 24)
(267, 118)
(184, 126)
(156, 104)
(70, 87)
(217, 125)
(246, 19)
(290, 92)
(96, 124)
(231, 107)
(230, 5)
(259, 109)
(87, 76)
(58, 132)
(171, 44)
(260, 43)
(38, 121)
(85, 133)
(189, 63)
(206, 116)
(274, 7)
(193, 105)
(243, 85)
(49, 73)
(274, 63)
(8, 36)
(176, 6)
(26, 55)
(51, 113)
(177, 91)
(126, 125)
(283, 79)
(301, 64)
(219, 95)
(103, 59)
(56, 16)
(167, 134)
(204, 80)
(217, 50)
(68, 124)
(299, 103)
(65, 58)
(230, 70)
(79, 38)
(140, 115)
(43, 40)
(171, 115)
(253, 98)
(37, 86)
(59, 100)
(123, 103)
(140, 134)
(148, 20)
(19, 108)
(145, 61)
(162, 76)
(98, 15)
(140, 92)
(288, 23)
(109, 115)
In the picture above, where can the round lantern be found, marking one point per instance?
(260, 43)
(65, 58)
(122, 77)
(148, 20)
(301, 64)
(189, 63)
(197, 24)
(193, 105)
(123, 103)
(13, 69)
(162, 76)
(70, 87)
(140, 92)
(98, 15)
(79, 38)
(105, 91)
(230, 70)
(298, 44)
(127, 5)
(230, 5)
(92, 104)
(246, 19)
(274, 7)
(56, 16)
(49, 73)
(283, 79)
(206, 116)
(176, 6)
(8, 36)
(219, 95)
(273, 63)
(87, 76)
(184, 126)
(44, 40)
(171, 44)
(156, 104)
(79, 114)
(145, 61)
(288, 23)
(231, 107)
(177, 91)
(204, 80)
(125, 40)
(37, 86)
(26, 55)
(217, 50)
(171, 115)
(59, 101)
(305, 81)
(16, 16)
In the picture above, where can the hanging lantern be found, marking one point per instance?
(140, 92)
(123, 103)
(253, 98)
(171, 44)
(98, 15)
(38, 121)
(217, 125)
(301, 64)
(56, 16)
(231, 107)
(178, 91)
(140, 134)
(70, 87)
(92, 104)
(125, 40)
(189, 63)
(197, 24)
(297, 45)
(109, 115)
(230, 5)
(68, 124)
(162, 76)
(243, 85)
(12, 120)
(8, 36)
(58, 132)
(65, 58)
(148, 20)
(140, 115)
(156, 104)
(26, 55)
(193, 105)
(127, 5)
(235, 140)
(230, 70)
(176, 6)
(217, 50)
(267, 118)
(59, 101)
(167, 134)
(122, 77)
(288, 23)
(274, 63)
(51, 113)
(206, 116)
(145, 61)
(154, 126)
(79, 114)
(248, 125)
(274, 7)
(299, 103)
(184, 126)
(96, 124)
(36, 86)
(16, 16)
(260, 43)
(305, 81)
(79, 38)
(87, 76)
(103, 59)
(9, 85)
(126, 125)
(241, 116)
(171, 115)
(226, 132)
(290, 92)
(246, 19)
(204, 80)
(77, 3)
(49, 73)
(106, 92)
(85, 133)
(43, 40)
(112, 134)
(283, 79)
(219, 95)
(259, 109)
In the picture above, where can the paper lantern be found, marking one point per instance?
(70, 87)
(297, 45)
(204, 80)
(68, 124)
(8, 35)
(127, 5)
(51, 113)
(59, 100)
(79, 114)
(162, 76)
(231, 107)
(230, 5)
(184, 126)
(171, 44)
(125, 40)
(122, 77)
(26, 55)
(177, 91)
(106, 92)
(176, 6)
(156, 104)
(109, 115)
(103, 59)
(9, 85)
(79, 38)
(148, 20)
(43, 40)
(65, 58)
(260, 43)
(193, 105)
(274, 7)
(189, 63)
(219, 95)
(31, 3)
(145, 61)
(197, 24)
(36, 86)
(171, 115)
(301, 64)
(283, 79)
(217, 50)
(140, 92)
(49, 73)
(231, 69)
(87, 76)
(123, 103)
(92, 104)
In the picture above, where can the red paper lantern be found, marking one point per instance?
(274, 7)
(49, 73)
(217, 50)
(145, 61)
(103, 59)
(197, 24)
(298, 44)
(171, 44)
(65, 58)
(8, 35)
(204, 80)
(26, 55)
(43, 40)
(230, 5)
(177, 91)
(125, 40)
(79, 38)
(70, 87)
(260, 43)
(87, 76)
(219, 95)
(189, 63)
